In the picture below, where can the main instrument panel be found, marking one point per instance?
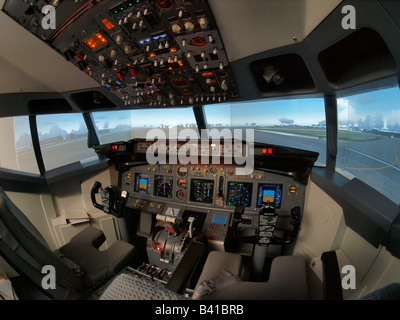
(146, 52)
(152, 187)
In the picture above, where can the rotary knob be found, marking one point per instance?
(119, 39)
(128, 48)
(176, 28)
(189, 25)
(203, 22)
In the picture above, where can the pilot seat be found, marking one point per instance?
(80, 267)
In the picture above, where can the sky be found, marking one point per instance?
(373, 110)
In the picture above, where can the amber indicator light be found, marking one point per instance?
(95, 41)
(107, 23)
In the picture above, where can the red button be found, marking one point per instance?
(133, 72)
(121, 76)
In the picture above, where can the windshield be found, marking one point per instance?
(297, 123)
(128, 124)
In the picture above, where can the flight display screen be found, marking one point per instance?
(142, 183)
(239, 193)
(219, 219)
(269, 194)
(163, 186)
(202, 190)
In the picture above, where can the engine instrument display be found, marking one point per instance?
(239, 193)
(269, 194)
(142, 183)
(202, 190)
(163, 186)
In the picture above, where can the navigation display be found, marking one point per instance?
(239, 193)
(202, 190)
(142, 183)
(269, 194)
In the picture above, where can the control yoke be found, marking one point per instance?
(112, 198)
(267, 225)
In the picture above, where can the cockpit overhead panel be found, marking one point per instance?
(146, 52)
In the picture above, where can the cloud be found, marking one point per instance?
(286, 121)
(393, 122)
(24, 141)
(372, 122)
(346, 113)
(82, 129)
(365, 99)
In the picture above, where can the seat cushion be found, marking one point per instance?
(98, 265)
(218, 261)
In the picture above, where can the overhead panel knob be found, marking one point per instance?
(189, 25)
(176, 28)
(224, 86)
(128, 48)
(119, 39)
(203, 22)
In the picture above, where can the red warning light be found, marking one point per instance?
(267, 151)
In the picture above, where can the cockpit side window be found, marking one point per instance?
(63, 139)
(369, 139)
(16, 145)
